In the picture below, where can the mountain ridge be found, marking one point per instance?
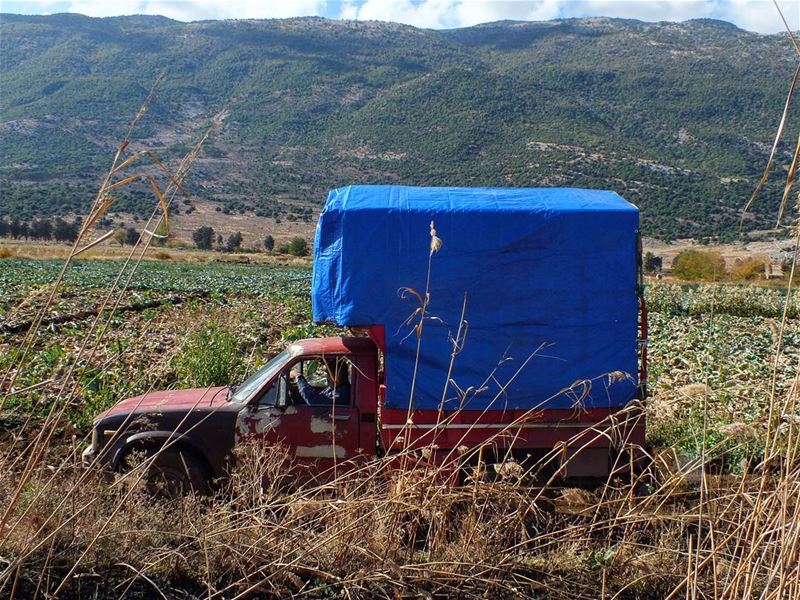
(676, 117)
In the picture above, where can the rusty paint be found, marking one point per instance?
(254, 425)
(325, 426)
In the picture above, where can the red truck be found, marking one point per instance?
(395, 390)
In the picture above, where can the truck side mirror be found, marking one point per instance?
(281, 399)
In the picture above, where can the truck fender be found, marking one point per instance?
(157, 438)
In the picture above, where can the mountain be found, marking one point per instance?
(676, 117)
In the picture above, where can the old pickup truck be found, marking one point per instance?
(510, 320)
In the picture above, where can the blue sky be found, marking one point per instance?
(753, 15)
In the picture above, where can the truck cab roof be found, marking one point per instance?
(333, 345)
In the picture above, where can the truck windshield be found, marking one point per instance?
(256, 381)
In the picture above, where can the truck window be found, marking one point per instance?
(254, 383)
(270, 396)
(315, 373)
(321, 381)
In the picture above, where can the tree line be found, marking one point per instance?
(204, 238)
(693, 264)
(61, 230)
(58, 229)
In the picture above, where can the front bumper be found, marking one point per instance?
(88, 456)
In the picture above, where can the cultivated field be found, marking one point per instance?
(717, 516)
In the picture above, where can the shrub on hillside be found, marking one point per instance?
(703, 265)
(297, 247)
(750, 268)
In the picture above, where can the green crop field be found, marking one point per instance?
(713, 356)
(19, 277)
(259, 306)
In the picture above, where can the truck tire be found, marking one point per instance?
(175, 473)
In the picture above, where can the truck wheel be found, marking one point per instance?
(175, 473)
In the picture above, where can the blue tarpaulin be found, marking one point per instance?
(549, 279)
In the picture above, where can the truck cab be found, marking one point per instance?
(191, 435)
(319, 430)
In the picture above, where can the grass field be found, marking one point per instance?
(712, 355)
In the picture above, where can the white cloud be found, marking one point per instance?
(754, 15)
(430, 13)
(472, 12)
(105, 9)
(760, 15)
(195, 10)
(438, 14)
(33, 7)
(660, 10)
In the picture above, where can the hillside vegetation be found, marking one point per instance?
(678, 118)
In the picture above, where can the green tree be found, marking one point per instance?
(693, 265)
(131, 236)
(297, 247)
(18, 229)
(120, 236)
(63, 231)
(41, 229)
(203, 237)
(234, 242)
(269, 243)
(652, 263)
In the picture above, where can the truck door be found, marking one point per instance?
(310, 409)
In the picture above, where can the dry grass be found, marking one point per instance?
(112, 251)
(378, 532)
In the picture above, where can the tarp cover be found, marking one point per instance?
(549, 278)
